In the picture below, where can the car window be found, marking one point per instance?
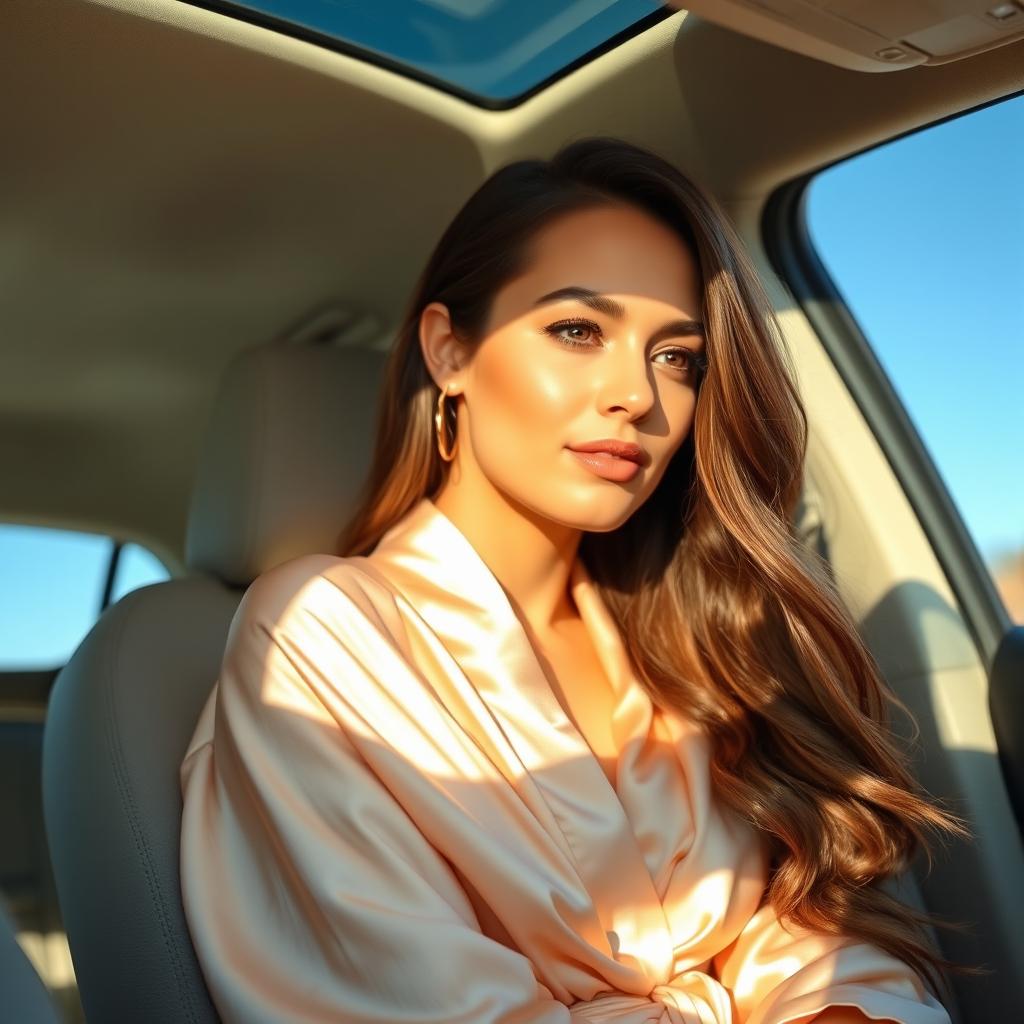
(52, 588)
(924, 240)
(136, 567)
(491, 52)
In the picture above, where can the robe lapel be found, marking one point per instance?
(436, 569)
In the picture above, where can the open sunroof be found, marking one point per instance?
(492, 52)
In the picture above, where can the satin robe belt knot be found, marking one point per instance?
(691, 997)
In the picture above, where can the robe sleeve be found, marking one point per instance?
(309, 892)
(788, 974)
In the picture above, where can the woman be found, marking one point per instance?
(562, 736)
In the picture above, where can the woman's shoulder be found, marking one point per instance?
(345, 591)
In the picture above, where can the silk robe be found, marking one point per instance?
(389, 817)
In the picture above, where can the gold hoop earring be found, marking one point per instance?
(441, 427)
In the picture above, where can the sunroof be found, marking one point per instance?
(493, 52)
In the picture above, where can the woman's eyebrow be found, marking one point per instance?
(609, 307)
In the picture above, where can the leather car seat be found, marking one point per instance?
(287, 451)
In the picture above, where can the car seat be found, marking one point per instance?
(286, 453)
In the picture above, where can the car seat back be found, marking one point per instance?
(287, 451)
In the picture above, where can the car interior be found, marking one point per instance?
(212, 216)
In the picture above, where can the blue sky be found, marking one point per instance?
(51, 588)
(924, 238)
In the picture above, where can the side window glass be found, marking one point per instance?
(924, 239)
(51, 590)
(51, 587)
(136, 567)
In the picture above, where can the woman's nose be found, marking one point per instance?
(627, 379)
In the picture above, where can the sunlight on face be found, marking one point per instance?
(555, 372)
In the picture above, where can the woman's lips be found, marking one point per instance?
(606, 465)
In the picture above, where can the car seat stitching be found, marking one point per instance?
(131, 807)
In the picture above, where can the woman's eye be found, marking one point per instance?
(580, 334)
(580, 330)
(683, 358)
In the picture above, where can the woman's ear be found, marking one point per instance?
(443, 353)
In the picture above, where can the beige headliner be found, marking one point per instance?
(177, 185)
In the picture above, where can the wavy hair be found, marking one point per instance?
(730, 620)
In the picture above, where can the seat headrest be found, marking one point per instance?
(286, 452)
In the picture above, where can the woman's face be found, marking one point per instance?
(553, 372)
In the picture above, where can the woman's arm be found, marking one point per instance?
(847, 1015)
(310, 894)
(788, 974)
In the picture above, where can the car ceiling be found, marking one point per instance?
(178, 185)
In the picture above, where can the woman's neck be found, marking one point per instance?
(530, 556)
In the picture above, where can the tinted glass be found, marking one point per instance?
(495, 50)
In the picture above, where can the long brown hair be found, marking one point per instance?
(730, 620)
